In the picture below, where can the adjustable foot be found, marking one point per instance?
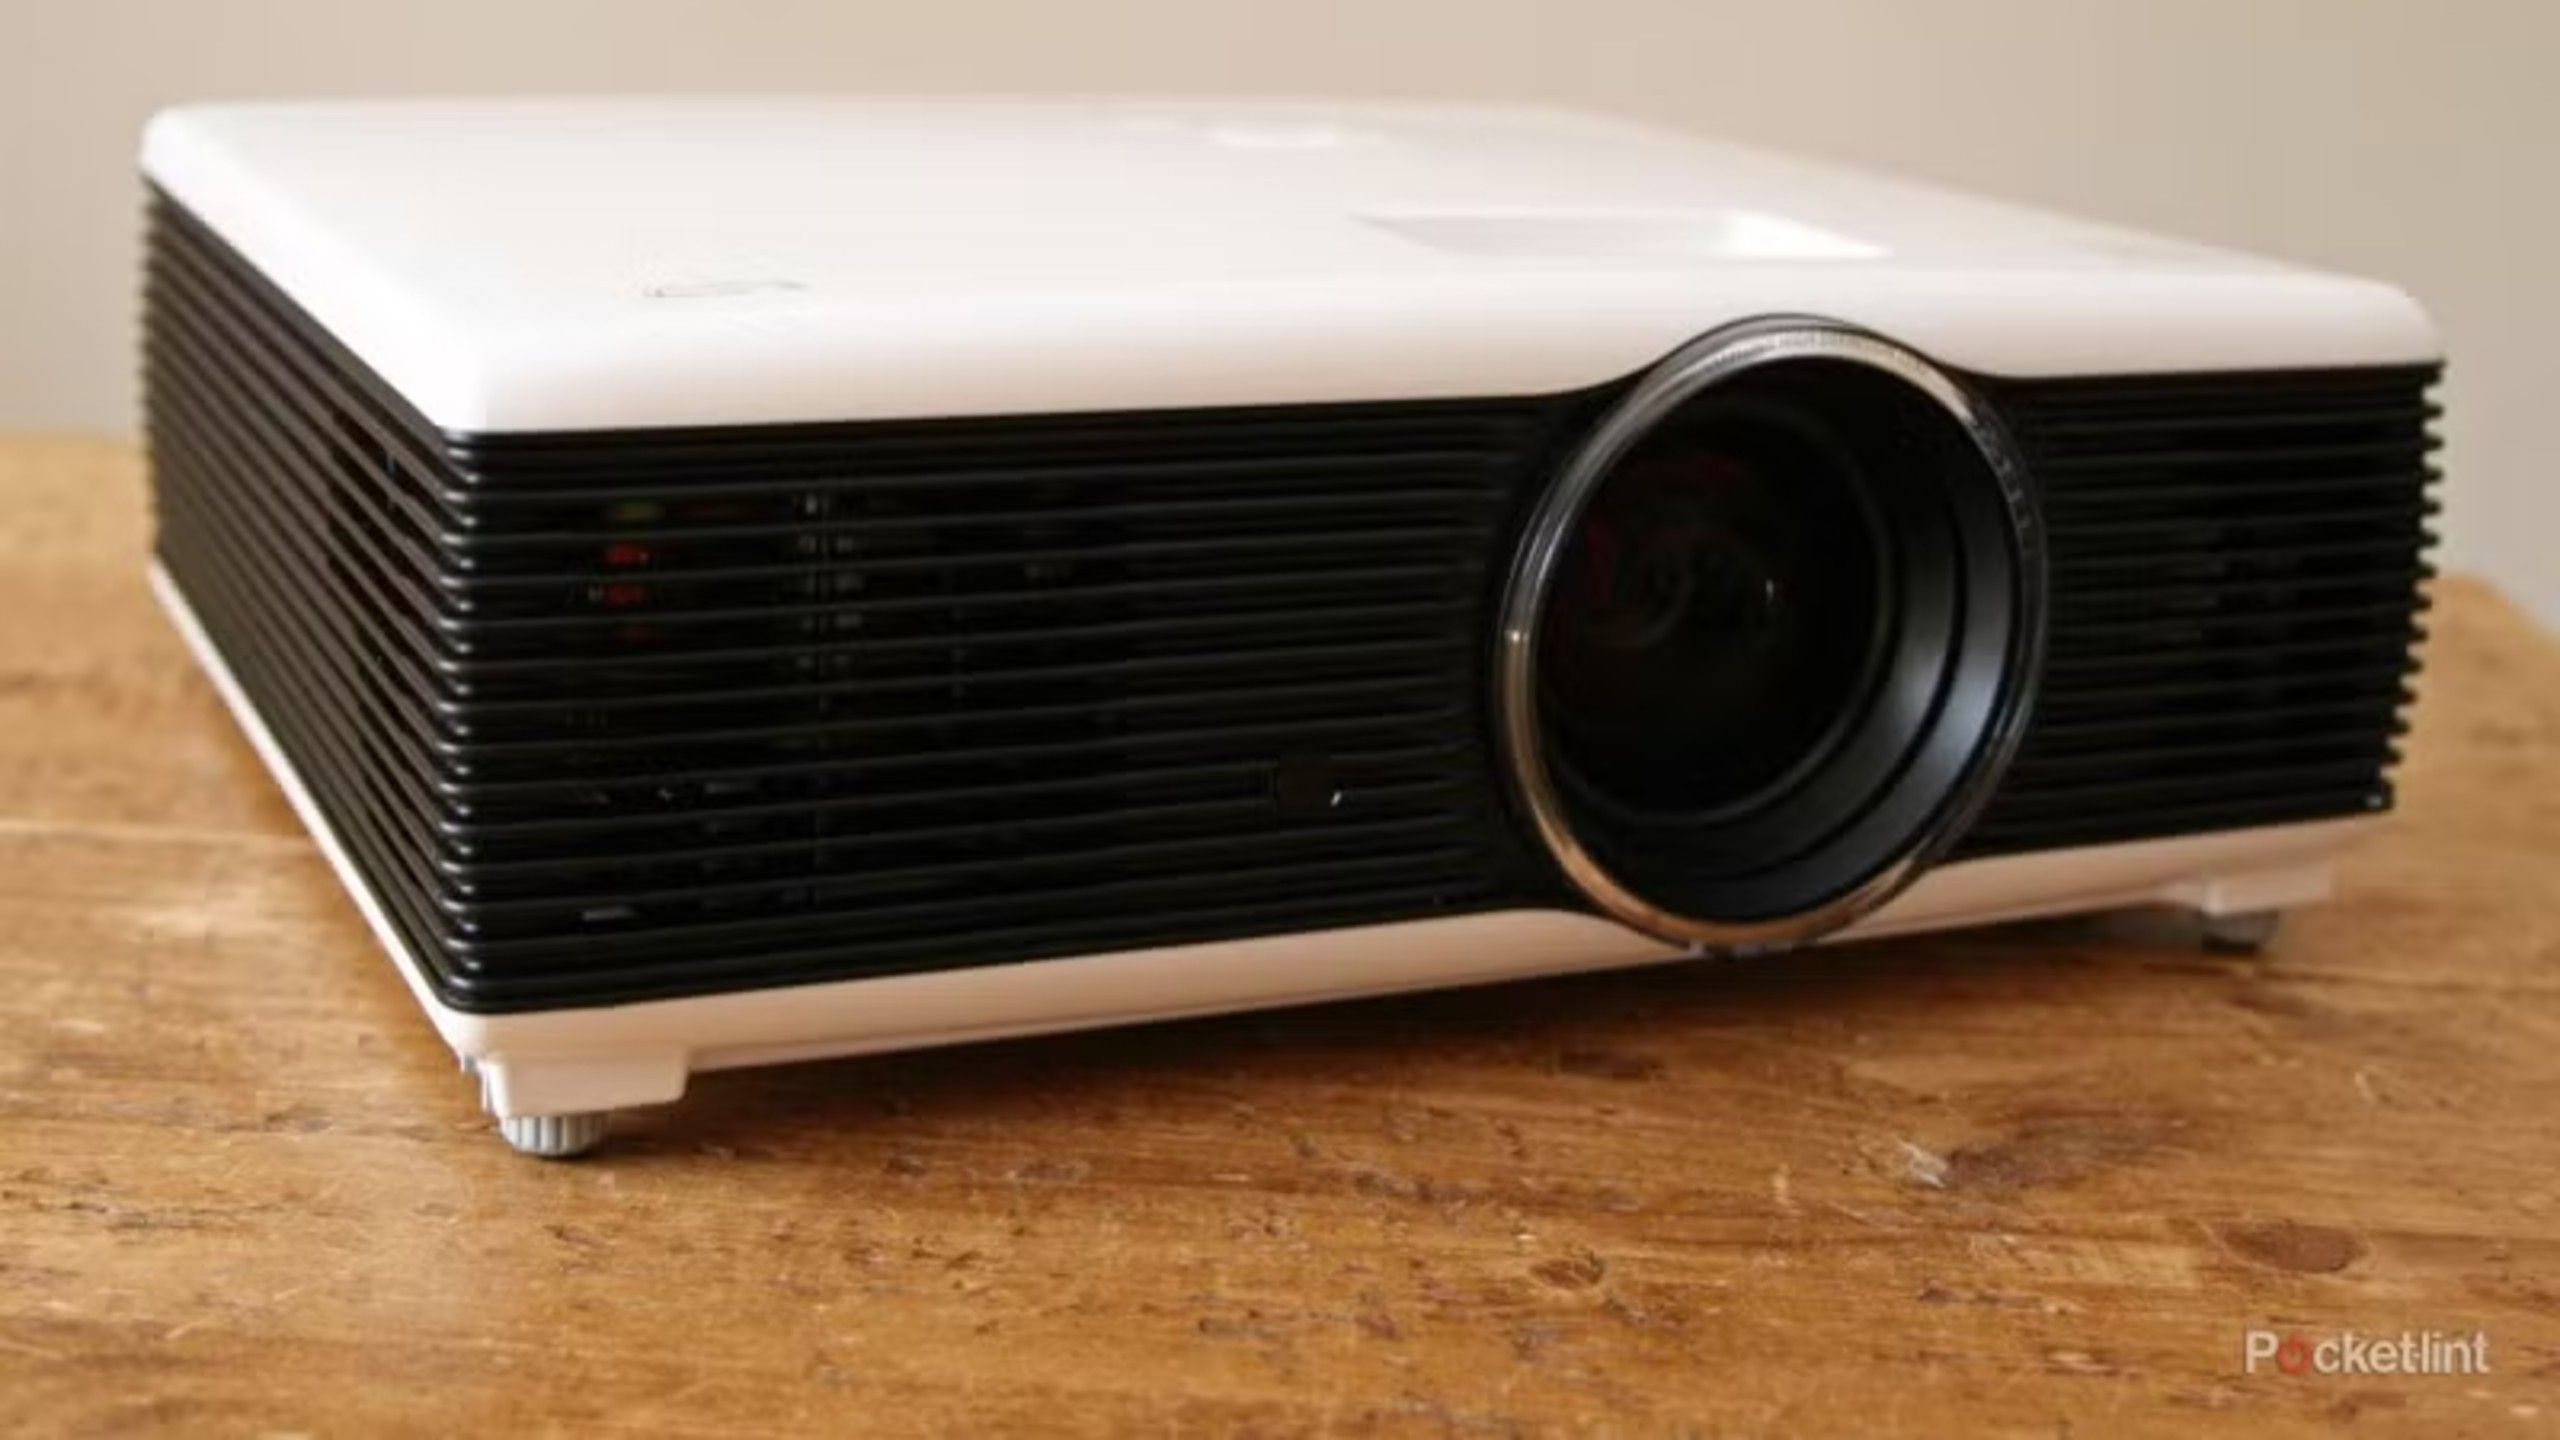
(553, 1137)
(556, 1137)
(2241, 932)
(559, 1105)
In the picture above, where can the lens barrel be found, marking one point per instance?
(1771, 635)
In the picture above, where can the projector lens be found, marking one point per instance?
(1716, 617)
(1771, 636)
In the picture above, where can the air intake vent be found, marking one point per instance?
(2236, 566)
(608, 717)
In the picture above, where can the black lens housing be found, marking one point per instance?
(1771, 636)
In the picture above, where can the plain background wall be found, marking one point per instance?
(2410, 141)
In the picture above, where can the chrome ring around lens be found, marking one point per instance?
(1690, 371)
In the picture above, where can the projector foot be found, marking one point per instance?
(556, 1137)
(556, 1106)
(2241, 932)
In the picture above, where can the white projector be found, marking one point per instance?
(735, 581)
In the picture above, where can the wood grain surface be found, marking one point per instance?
(2033, 1180)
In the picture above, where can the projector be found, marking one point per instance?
(740, 581)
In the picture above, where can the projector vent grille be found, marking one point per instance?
(2236, 570)
(606, 717)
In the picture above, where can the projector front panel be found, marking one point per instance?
(623, 715)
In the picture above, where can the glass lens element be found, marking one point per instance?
(1716, 617)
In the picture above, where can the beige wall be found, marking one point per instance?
(2411, 141)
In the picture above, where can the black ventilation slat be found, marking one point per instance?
(2089, 501)
(888, 815)
(2124, 731)
(2226, 529)
(620, 675)
(1130, 671)
(2065, 467)
(551, 795)
(815, 536)
(2222, 558)
(2056, 764)
(883, 871)
(2236, 572)
(1085, 932)
(866, 913)
(2294, 659)
(595, 634)
(2212, 595)
(2159, 821)
(2176, 677)
(2109, 636)
(1231, 549)
(2102, 432)
(2075, 797)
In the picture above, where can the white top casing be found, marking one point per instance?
(537, 265)
(565, 265)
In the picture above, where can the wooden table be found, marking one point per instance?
(2036, 1179)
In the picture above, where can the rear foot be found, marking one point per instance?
(556, 1137)
(2241, 932)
